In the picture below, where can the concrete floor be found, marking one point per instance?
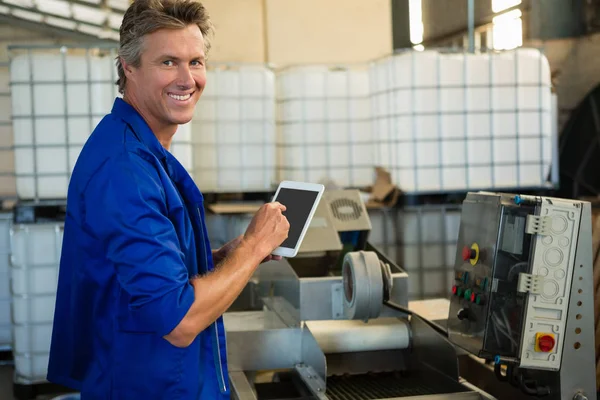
(6, 385)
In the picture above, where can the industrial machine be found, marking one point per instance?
(336, 323)
(523, 293)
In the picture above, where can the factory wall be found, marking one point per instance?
(239, 30)
(287, 32)
(333, 31)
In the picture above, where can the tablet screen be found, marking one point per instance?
(298, 204)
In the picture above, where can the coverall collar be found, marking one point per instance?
(174, 169)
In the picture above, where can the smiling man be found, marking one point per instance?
(140, 294)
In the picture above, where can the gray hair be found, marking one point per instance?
(146, 16)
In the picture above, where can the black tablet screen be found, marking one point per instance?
(298, 203)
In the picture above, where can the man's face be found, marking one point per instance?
(171, 76)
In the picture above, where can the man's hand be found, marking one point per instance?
(268, 230)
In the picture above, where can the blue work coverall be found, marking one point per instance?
(134, 236)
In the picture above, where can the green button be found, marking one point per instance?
(468, 294)
(459, 292)
(484, 284)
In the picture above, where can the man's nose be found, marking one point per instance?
(185, 78)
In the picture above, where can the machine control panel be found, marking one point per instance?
(512, 269)
(487, 311)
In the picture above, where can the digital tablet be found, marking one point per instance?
(301, 200)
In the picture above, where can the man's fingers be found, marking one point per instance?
(279, 205)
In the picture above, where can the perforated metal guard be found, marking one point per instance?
(346, 204)
(348, 211)
(382, 386)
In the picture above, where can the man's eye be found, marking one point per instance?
(168, 63)
(197, 63)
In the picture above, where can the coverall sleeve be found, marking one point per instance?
(126, 208)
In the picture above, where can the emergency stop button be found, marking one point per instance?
(471, 254)
(468, 253)
(544, 342)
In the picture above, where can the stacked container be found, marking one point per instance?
(7, 162)
(35, 258)
(324, 130)
(234, 130)
(58, 98)
(456, 122)
(5, 297)
(423, 241)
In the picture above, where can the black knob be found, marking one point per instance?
(463, 314)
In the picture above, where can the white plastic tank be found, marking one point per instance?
(324, 129)
(7, 165)
(35, 260)
(233, 130)
(447, 121)
(5, 297)
(422, 240)
(58, 97)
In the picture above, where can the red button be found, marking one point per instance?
(454, 289)
(466, 253)
(473, 297)
(546, 343)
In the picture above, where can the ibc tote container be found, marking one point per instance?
(35, 259)
(323, 124)
(456, 122)
(5, 297)
(233, 130)
(58, 97)
(7, 164)
(422, 239)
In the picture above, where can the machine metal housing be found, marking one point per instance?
(523, 273)
(310, 289)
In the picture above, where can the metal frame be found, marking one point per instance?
(296, 349)
(272, 349)
(577, 372)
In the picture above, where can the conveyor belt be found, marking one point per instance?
(383, 386)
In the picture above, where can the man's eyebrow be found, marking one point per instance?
(172, 57)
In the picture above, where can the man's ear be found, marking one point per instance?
(127, 68)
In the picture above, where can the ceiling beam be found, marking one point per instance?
(61, 33)
(47, 15)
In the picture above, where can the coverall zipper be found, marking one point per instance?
(216, 343)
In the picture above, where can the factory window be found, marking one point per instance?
(501, 5)
(507, 31)
(416, 23)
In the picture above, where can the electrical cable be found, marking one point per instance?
(405, 310)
